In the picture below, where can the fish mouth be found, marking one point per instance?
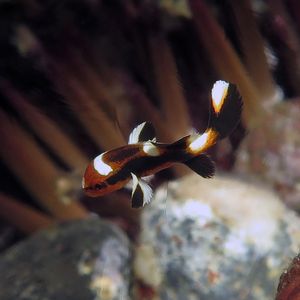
(95, 190)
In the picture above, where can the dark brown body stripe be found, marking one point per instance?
(145, 165)
(121, 153)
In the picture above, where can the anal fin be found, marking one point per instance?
(202, 165)
(141, 192)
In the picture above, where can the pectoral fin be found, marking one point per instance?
(142, 133)
(202, 165)
(141, 192)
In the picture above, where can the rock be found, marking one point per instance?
(272, 152)
(7, 235)
(212, 239)
(87, 259)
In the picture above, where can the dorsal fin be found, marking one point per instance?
(142, 133)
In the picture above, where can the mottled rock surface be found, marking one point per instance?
(215, 239)
(272, 152)
(88, 259)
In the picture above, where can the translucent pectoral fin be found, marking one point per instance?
(202, 165)
(141, 192)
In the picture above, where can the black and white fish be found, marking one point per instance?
(143, 156)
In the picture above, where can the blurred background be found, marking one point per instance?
(77, 76)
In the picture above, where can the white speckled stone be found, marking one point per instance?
(271, 152)
(88, 259)
(215, 239)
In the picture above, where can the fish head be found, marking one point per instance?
(93, 183)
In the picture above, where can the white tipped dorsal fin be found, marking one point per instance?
(142, 133)
(141, 192)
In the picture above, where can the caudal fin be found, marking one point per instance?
(226, 108)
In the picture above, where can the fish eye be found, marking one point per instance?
(98, 186)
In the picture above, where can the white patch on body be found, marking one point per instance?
(199, 142)
(218, 93)
(101, 167)
(150, 149)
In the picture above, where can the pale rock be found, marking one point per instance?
(224, 238)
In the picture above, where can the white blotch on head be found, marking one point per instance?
(83, 183)
(100, 166)
(150, 149)
(199, 142)
(218, 93)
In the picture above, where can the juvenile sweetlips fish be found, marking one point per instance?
(143, 156)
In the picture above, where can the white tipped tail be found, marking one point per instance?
(226, 109)
(219, 93)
